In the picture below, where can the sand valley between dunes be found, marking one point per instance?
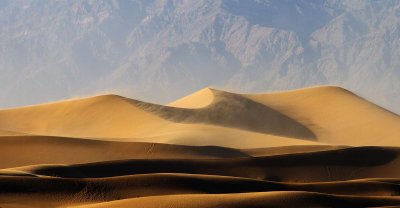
(313, 147)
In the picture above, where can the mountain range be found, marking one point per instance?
(158, 50)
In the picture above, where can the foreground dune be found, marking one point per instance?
(66, 192)
(263, 199)
(358, 173)
(28, 150)
(316, 166)
(313, 147)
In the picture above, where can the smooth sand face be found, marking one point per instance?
(102, 116)
(209, 149)
(329, 115)
(199, 99)
(336, 115)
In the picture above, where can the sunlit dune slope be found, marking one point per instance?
(333, 114)
(225, 122)
(214, 117)
(201, 134)
(101, 116)
(314, 147)
(199, 99)
(336, 115)
(28, 150)
(10, 133)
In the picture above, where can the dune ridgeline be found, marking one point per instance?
(313, 147)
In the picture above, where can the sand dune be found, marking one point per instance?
(263, 199)
(132, 120)
(313, 147)
(66, 191)
(336, 115)
(199, 99)
(329, 115)
(101, 116)
(10, 133)
(28, 150)
(319, 166)
(149, 185)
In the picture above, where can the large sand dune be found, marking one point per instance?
(322, 114)
(313, 147)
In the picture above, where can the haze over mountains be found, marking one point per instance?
(148, 50)
(166, 103)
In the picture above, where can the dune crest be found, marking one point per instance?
(199, 99)
(336, 115)
(96, 117)
(234, 111)
(324, 114)
(314, 147)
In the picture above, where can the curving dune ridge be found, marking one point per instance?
(314, 147)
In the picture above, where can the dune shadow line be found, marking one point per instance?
(231, 110)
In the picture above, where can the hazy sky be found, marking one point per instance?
(161, 50)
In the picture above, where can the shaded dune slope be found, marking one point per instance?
(313, 147)
(52, 190)
(321, 114)
(329, 165)
(134, 186)
(236, 111)
(255, 200)
(354, 177)
(28, 150)
(336, 115)
(112, 117)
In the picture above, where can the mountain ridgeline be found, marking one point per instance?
(161, 50)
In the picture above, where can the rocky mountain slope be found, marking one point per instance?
(160, 50)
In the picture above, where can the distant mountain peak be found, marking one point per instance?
(162, 50)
